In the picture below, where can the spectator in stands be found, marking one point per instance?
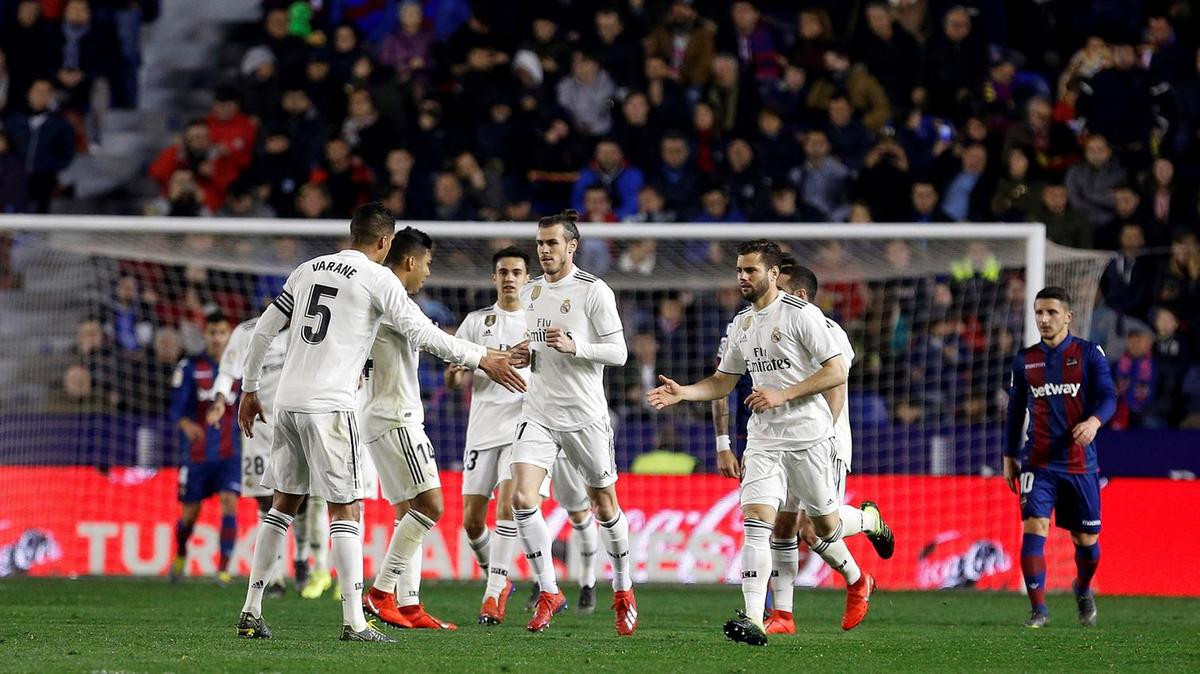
(775, 147)
(706, 143)
(93, 350)
(14, 183)
(849, 139)
(885, 182)
(814, 36)
(1064, 225)
(956, 61)
(619, 53)
(1174, 353)
(290, 51)
(1018, 193)
(636, 132)
(890, 53)
(925, 203)
(860, 87)
(1127, 284)
(556, 155)
(77, 394)
(1178, 286)
(184, 198)
(610, 171)
(667, 97)
(1048, 143)
(639, 258)
(552, 51)
(43, 138)
(299, 120)
(751, 40)
(130, 316)
(482, 185)
(25, 38)
(244, 201)
(326, 93)
(677, 177)
(1105, 105)
(449, 201)
(966, 195)
(651, 207)
(788, 95)
(370, 135)
(230, 129)
(127, 16)
(409, 48)
(1165, 195)
(823, 181)
(1141, 397)
(312, 201)
(587, 95)
(211, 165)
(748, 189)
(686, 42)
(259, 85)
(1127, 207)
(345, 176)
(1090, 183)
(783, 207)
(157, 366)
(281, 169)
(81, 52)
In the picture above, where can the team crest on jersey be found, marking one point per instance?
(776, 335)
(489, 320)
(746, 324)
(1072, 362)
(566, 306)
(537, 290)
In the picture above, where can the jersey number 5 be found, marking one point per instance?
(315, 335)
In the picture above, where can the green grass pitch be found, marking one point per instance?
(148, 625)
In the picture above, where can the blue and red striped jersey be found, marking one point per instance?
(1058, 388)
(191, 396)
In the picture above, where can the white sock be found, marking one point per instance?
(346, 537)
(268, 548)
(500, 556)
(408, 585)
(833, 550)
(406, 540)
(785, 560)
(857, 520)
(535, 539)
(756, 567)
(300, 539)
(278, 574)
(616, 542)
(318, 533)
(480, 547)
(589, 542)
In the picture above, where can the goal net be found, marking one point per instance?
(96, 313)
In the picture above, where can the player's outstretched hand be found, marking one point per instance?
(763, 399)
(1012, 473)
(559, 341)
(727, 465)
(501, 371)
(216, 410)
(518, 356)
(1085, 431)
(666, 395)
(250, 409)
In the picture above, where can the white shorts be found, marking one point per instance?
(316, 454)
(791, 504)
(769, 474)
(485, 469)
(569, 489)
(256, 455)
(589, 450)
(406, 463)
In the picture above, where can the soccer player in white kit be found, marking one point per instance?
(792, 356)
(394, 428)
(487, 456)
(574, 330)
(335, 303)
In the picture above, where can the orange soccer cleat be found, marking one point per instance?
(780, 622)
(625, 607)
(858, 598)
(548, 606)
(493, 610)
(419, 619)
(382, 605)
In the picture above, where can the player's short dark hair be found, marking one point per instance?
(511, 251)
(771, 254)
(408, 242)
(569, 219)
(371, 222)
(1054, 293)
(800, 277)
(214, 317)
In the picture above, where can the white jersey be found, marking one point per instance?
(494, 409)
(233, 364)
(841, 425)
(391, 394)
(335, 303)
(566, 392)
(780, 346)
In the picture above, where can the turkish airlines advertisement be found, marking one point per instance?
(951, 532)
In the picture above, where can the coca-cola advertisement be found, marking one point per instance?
(951, 532)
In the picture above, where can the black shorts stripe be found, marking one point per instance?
(353, 431)
(406, 451)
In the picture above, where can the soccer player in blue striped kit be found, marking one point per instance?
(1063, 383)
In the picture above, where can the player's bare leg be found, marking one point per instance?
(414, 519)
(1087, 558)
(500, 555)
(832, 549)
(758, 522)
(268, 548)
(228, 539)
(535, 539)
(183, 533)
(785, 561)
(1033, 568)
(588, 541)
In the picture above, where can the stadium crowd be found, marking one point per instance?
(1085, 116)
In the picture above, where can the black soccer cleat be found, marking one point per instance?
(587, 599)
(1086, 604)
(249, 627)
(744, 630)
(882, 538)
(301, 569)
(534, 593)
(371, 633)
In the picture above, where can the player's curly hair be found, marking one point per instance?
(569, 219)
(772, 255)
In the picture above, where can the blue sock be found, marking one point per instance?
(1087, 558)
(1033, 566)
(228, 539)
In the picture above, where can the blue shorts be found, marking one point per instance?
(1075, 499)
(198, 481)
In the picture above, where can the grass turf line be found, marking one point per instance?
(148, 625)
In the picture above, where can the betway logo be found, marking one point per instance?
(1055, 390)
